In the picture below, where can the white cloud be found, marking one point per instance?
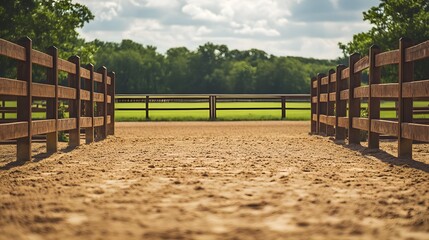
(282, 27)
(199, 13)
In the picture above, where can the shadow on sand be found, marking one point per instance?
(36, 158)
(385, 157)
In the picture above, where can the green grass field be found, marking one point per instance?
(222, 115)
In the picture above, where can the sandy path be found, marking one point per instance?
(222, 180)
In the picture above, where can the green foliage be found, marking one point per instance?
(391, 20)
(209, 69)
(47, 22)
(62, 109)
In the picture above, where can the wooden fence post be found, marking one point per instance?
(354, 104)
(211, 115)
(112, 103)
(330, 131)
(214, 107)
(314, 125)
(406, 69)
(147, 107)
(321, 109)
(3, 114)
(75, 105)
(283, 107)
(52, 104)
(89, 132)
(340, 105)
(373, 102)
(103, 87)
(25, 70)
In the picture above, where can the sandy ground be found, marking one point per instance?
(221, 180)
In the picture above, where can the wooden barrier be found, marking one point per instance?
(343, 86)
(212, 100)
(81, 99)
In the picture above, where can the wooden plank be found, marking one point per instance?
(386, 90)
(98, 97)
(98, 121)
(362, 64)
(109, 80)
(315, 84)
(390, 128)
(344, 95)
(332, 97)
(314, 99)
(334, 77)
(361, 92)
(109, 119)
(331, 121)
(323, 118)
(43, 90)
(13, 130)
(12, 50)
(361, 123)
(85, 73)
(416, 89)
(109, 99)
(41, 59)
(314, 117)
(85, 122)
(43, 126)
(98, 77)
(325, 81)
(417, 52)
(387, 58)
(345, 73)
(324, 97)
(66, 66)
(13, 87)
(66, 92)
(343, 122)
(85, 95)
(414, 131)
(66, 124)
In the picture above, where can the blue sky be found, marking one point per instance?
(308, 28)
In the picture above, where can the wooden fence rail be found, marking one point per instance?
(336, 98)
(90, 95)
(212, 100)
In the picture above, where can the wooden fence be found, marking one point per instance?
(212, 100)
(336, 98)
(90, 96)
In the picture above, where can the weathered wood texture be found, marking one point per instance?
(23, 90)
(345, 90)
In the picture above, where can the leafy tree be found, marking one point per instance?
(47, 22)
(391, 20)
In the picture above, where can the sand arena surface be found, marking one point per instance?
(220, 180)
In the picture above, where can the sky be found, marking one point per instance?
(307, 28)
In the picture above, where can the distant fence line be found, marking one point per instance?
(212, 100)
(90, 95)
(336, 98)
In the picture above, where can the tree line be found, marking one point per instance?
(210, 68)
